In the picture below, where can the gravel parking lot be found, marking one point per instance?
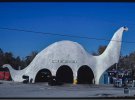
(9, 89)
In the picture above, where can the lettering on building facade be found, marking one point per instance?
(64, 61)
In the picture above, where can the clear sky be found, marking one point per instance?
(96, 20)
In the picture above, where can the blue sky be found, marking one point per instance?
(96, 20)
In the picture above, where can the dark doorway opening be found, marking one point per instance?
(43, 75)
(85, 75)
(64, 74)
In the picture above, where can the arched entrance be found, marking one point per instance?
(43, 75)
(64, 74)
(85, 75)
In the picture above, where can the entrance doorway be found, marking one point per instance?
(43, 75)
(85, 75)
(64, 74)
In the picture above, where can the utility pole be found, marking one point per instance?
(19, 68)
(116, 66)
(116, 71)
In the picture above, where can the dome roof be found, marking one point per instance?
(61, 52)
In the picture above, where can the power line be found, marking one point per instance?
(75, 36)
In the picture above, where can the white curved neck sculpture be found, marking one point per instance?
(111, 54)
(74, 55)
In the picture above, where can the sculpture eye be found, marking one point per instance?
(125, 28)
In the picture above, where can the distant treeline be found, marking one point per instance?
(125, 62)
(15, 62)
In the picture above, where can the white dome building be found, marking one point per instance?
(69, 61)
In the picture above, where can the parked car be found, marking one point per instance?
(118, 83)
(5, 74)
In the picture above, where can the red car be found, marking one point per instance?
(1, 75)
(5, 74)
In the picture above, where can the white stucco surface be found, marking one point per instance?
(74, 55)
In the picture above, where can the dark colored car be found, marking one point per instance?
(26, 79)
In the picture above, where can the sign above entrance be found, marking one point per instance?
(64, 61)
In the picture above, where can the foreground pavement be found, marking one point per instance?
(9, 89)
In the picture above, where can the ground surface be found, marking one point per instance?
(13, 89)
